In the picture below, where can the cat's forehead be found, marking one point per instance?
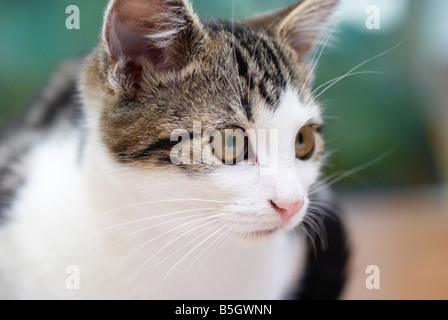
(292, 113)
(248, 74)
(243, 77)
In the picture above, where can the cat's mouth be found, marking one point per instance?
(273, 229)
(263, 233)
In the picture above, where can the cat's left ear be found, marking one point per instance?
(299, 25)
(159, 32)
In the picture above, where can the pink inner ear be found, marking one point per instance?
(123, 41)
(133, 30)
(132, 45)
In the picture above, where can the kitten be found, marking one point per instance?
(100, 199)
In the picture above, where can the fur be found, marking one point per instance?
(93, 185)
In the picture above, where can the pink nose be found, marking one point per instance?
(287, 209)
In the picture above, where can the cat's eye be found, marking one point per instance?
(230, 145)
(305, 143)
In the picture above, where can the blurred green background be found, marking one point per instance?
(399, 110)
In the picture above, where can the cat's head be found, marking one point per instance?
(162, 82)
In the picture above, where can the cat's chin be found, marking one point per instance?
(275, 228)
(260, 235)
(266, 233)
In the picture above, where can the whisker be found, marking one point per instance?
(325, 180)
(148, 219)
(327, 39)
(182, 247)
(303, 228)
(216, 248)
(312, 226)
(134, 205)
(205, 249)
(314, 218)
(318, 227)
(359, 66)
(319, 205)
(154, 226)
(350, 172)
(162, 235)
(337, 79)
(185, 256)
(163, 248)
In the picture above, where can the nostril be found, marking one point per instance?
(273, 205)
(282, 211)
(287, 209)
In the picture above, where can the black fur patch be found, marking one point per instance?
(31, 128)
(65, 101)
(154, 148)
(262, 64)
(8, 191)
(326, 270)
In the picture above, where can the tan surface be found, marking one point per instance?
(406, 235)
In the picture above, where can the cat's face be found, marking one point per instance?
(160, 74)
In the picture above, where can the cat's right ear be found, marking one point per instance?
(158, 32)
(298, 25)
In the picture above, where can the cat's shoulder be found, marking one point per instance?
(56, 108)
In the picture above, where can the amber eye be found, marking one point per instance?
(230, 145)
(305, 143)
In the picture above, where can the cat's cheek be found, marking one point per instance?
(309, 172)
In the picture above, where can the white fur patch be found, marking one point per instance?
(281, 177)
(155, 234)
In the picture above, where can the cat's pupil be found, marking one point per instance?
(230, 143)
(300, 138)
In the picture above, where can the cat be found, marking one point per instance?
(95, 203)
